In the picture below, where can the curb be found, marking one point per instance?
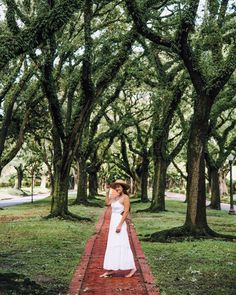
(148, 278)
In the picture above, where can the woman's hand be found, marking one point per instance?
(118, 228)
(113, 194)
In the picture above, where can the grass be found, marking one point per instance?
(199, 267)
(47, 251)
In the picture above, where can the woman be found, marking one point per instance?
(118, 255)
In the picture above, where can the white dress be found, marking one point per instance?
(118, 253)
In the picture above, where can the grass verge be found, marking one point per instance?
(42, 250)
(47, 251)
(190, 267)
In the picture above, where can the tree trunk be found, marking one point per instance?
(93, 184)
(52, 184)
(159, 185)
(131, 185)
(59, 180)
(81, 197)
(43, 182)
(144, 180)
(223, 186)
(19, 179)
(59, 205)
(215, 188)
(137, 186)
(196, 221)
(75, 179)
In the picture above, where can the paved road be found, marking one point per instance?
(20, 200)
(181, 197)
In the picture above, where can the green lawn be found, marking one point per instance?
(203, 267)
(47, 251)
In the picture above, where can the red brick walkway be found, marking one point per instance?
(86, 278)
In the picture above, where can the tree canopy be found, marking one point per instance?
(121, 88)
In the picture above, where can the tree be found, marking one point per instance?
(189, 41)
(16, 111)
(92, 140)
(46, 23)
(67, 137)
(133, 109)
(169, 89)
(222, 139)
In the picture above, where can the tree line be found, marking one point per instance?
(137, 85)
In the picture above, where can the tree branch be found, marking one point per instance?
(38, 32)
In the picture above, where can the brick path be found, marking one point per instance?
(86, 278)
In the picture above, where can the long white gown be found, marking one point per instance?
(118, 253)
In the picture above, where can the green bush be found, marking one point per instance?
(5, 184)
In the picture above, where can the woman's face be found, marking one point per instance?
(119, 189)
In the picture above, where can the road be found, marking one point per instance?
(21, 200)
(181, 197)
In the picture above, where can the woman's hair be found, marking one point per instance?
(125, 191)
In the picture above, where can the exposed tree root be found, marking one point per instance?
(184, 233)
(24, 193)
(212, 207)
(68, 216)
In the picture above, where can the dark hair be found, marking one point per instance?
(127, 193)
(125, 190)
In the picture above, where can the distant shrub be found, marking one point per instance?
(5, 184)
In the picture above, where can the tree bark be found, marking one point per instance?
(196, 191)
(59, 204)
(81, 197)
(223, 187)
(131, 185)
(59, 181)
(215, 189)
(144, 180)
(52, 184)
(19, 177)
(75, 179)
(43, 182)
(159, 185)
(137, 186)
(93, 184)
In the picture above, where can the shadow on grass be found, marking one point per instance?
(14, 283)
(184, 233)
